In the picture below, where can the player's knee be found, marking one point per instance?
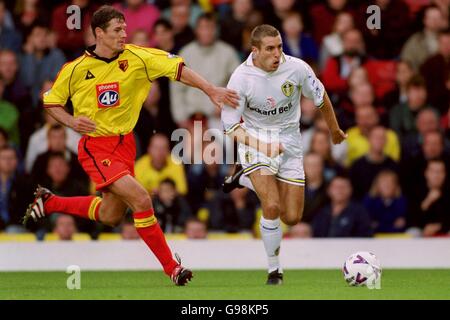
(112, 221)
(142, 202)
(291, 221)
(273, 209)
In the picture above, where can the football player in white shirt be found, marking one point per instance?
(270, 85)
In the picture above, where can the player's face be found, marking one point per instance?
(114, 36)
(267, 56)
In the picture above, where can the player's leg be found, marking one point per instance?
(292, 202)
(137, 198)
(267, 190)
(291, 185)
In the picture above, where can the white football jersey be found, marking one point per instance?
(271, 100)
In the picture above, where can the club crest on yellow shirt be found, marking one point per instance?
(123, 65)
(287, 88)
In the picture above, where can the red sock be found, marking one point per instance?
(84, 207)
(148, 228)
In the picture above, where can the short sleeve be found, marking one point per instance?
(231, 117)
(312, 87)
(160, 63)
(60, 91)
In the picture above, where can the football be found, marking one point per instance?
(362, 269)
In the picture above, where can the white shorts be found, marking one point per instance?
(287, 167)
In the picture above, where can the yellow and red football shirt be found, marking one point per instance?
(111, 91)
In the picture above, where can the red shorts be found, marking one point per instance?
(107, 159)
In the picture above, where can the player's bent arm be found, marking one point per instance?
(337, 135)
(81, 124)
(218, 96)
(241, 136)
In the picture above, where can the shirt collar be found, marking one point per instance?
(90, 52)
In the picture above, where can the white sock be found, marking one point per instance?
(246, 182)
(271, 235)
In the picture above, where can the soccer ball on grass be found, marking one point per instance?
(362, 269)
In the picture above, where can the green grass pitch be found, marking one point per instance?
(226, 284)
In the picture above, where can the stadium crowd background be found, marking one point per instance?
(390, 89)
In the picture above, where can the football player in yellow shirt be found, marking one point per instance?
(107, 86)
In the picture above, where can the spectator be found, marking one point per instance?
(402, 116)
(155, 115)
(194, 11)
(139, 15)
(296, 42)
(202, 55)
(15, 191)
(337, 69)
(171, 209)
(71, 41)
(332, 44)
(301, 230)
(386, 204)
(128, 231)
(436, 71)
(9, 117)
(16, 93)
(433, 147)
(342, 217)
(424, 43)
(195, 229)
(399, 94)
(39, 62)
(233, 24)
(158, 165)
(315, 188)
(65, 227)
(321, 144)
(364, 170)
(57, 144)
(427, 121)
(386, 42)
(38, 142)
(9, 38)
(28, 13)
(140, 38)
(58, 178)
(163, 36)
(275, 11)
(179, 19)
(431, 212)
(338, 151)
(323, 16)
(358, 143)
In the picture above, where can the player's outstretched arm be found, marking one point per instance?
(82, 125)
(337, 135)
(219, 96)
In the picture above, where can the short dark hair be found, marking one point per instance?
(103, 16)
(169, 182)
(208, 16)
(261, 31)
(163, 22)
(416, 81)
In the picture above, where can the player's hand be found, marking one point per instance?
(220, 96)
(82, 125)
(337, 136)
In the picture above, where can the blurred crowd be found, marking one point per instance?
(389, 86)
